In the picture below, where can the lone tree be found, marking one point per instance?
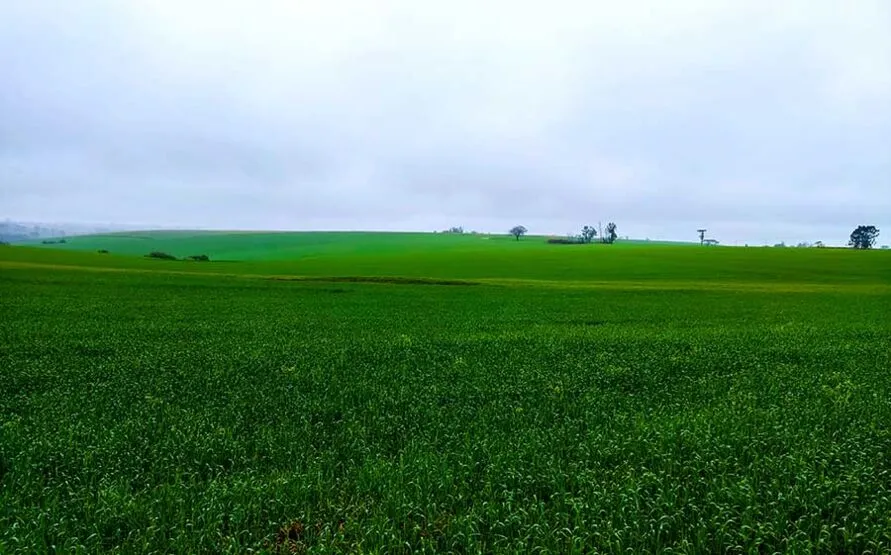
(864, 237)
(518, 231)
(588, 233)
(611, 235)
(701, 233)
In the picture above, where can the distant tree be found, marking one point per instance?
(819, 244)
(518, 231)
(711, 242)
(864, 237)
(611, 235)
(589, 232)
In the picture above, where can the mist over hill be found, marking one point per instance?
(14, 231)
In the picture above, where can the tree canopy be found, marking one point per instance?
(864, 237)
(518, 231)
(589, 232)
(611, 234)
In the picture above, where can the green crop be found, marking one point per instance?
(646, 400)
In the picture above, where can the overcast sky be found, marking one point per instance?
(759, 120)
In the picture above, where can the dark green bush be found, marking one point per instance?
(200, 258)
(160, 255)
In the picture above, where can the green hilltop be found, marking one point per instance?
(264, 245)
(462, 256)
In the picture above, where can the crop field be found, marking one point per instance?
(478, 395)
(290, 246)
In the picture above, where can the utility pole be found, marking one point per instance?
(701, 233)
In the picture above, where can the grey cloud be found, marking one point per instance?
(763, 122)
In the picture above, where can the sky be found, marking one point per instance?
(761, 121)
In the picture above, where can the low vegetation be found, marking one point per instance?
(565, 241)
(160, 255)
(623, 399)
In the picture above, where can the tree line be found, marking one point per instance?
(587, 235)
(863, 237)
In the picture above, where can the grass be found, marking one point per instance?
(519, 398)
(290, 246)
(465, 257)
(231, 245)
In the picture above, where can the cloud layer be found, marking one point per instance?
(761, 122)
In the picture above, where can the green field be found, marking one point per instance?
(253, 245)
(390, 393)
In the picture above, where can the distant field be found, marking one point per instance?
(225, 245)
(466, 257)
(254, 245)
(425, 393)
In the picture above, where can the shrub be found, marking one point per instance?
(160, 255)
(565, 241)
(199, 258)
(103, 251)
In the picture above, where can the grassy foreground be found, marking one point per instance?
(656, 399)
